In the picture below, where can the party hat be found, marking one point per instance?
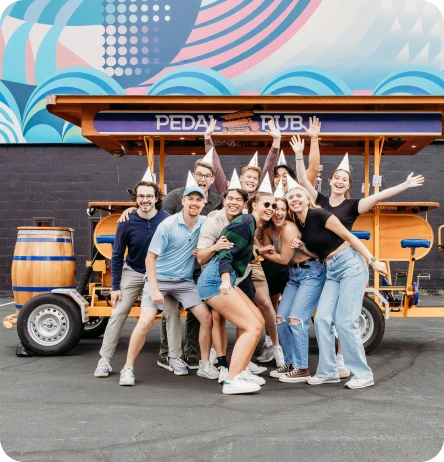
(279, 193)
(234, 182)
(265, 186)
(281, 160)
(148, 176)
(344, 165)
(208, 159)
(254, 161)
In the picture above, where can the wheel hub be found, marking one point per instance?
(366, 325)
(48, 325)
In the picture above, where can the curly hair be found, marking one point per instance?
(157, 192)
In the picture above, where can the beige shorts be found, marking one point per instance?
(257, 274)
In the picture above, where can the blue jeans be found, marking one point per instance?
(340, 305)
(299, 301)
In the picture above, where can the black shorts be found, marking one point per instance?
(247, 287)
(277, 276)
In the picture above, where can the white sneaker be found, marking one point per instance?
(285, 369)
(316, 380)
(213, 356)
(127, 377)
(208, 371)
(255, 369)
(266, 354)
(103, 368)
(223, 374)
(278, 356)
(239, 386)
(343, 372)
(249, 377)
(360, 383)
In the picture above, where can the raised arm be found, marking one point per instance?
(273, 154)
(298, 147)
(333, 224)
(314, 157)
(220, 182)
(368, 203)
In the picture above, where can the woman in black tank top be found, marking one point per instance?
(341, 298)
(341, 205)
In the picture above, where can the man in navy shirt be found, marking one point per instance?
(128, 275)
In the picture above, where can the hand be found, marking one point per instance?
(274, 131)
(225, 287)
(194, 252)
(209, 131)
(115, 295)
(314, 128)
(156, 297)
(267, 249)
(213, 212)
(297, 144)
(297, 244)
(125, 215)
(414, 181)
(222, 244)
(379, 267)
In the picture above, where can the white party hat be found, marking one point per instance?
(281, 160)
(279, 193)
(191, 182)
(148, 176)
(291, 183)
(208, 159)
(344, 165)
(234, 182)
(254, 161)
(265, 186)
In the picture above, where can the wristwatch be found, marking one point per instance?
(372, 260)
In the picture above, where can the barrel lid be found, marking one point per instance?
(44, 228)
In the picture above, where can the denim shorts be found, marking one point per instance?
(209, 281)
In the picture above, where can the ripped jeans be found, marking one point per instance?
(299, 301)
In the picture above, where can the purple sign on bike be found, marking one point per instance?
(256, 123)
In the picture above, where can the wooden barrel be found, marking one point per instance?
(43, 260)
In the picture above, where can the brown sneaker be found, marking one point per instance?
(296, 375)
(285, 369)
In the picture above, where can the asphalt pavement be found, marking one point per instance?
(54, 409)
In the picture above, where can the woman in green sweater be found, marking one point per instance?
(216, 287)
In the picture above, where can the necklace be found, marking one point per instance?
(300, 222)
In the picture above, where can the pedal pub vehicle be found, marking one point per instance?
(52, 314)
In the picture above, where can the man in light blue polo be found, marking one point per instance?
(169, 265)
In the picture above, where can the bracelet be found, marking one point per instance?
(314, 141)
(299, 158)
(372, 260)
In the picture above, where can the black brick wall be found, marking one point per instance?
(58, 181)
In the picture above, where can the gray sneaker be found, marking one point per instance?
(208, 371)
(103, 368)
(178, 366)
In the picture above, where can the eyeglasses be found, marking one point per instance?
(267, 205)
(207, 177)
(141, 197)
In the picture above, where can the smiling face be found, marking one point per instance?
(233, 204)
(263, 209)
(204, 177)
(280, 214)
(193, 204)
(340, 182)
(146, 198)
(281, 174)
(249, 180)
(297, 200)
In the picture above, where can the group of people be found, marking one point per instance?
(257, 258)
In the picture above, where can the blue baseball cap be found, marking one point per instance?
(193, 189)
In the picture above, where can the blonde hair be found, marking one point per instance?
(247, 167)
(199, 163)
(311, 202)
(347, 193)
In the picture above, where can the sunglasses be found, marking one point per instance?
(267, 205)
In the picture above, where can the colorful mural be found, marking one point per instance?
(209, 47)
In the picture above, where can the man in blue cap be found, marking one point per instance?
(169, 264)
